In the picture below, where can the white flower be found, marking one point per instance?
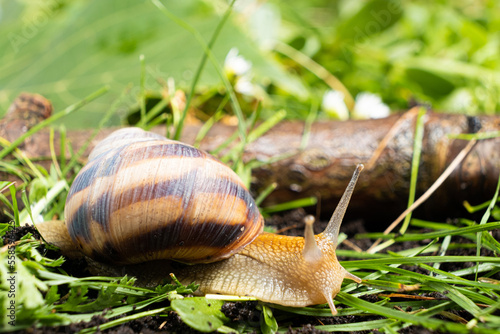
(244, 86)
(369, 105)
(334, 106)
(460, 100)
(235, 64)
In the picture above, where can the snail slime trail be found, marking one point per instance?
(143, 198)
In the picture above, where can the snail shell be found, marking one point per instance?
(142, 197)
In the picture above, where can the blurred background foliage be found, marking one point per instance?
(445, 54)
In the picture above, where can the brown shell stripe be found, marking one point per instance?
(111, 160)
(158, 234)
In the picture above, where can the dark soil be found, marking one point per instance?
(290, 223)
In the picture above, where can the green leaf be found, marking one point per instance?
(373, 18)
(110, 295)
(77, 296)
(200, 313)
(178, 287)
(29, 287)
(432, 83)
(52, 295)
(269, 325)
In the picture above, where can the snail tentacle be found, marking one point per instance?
(311, 253)
(333, 227)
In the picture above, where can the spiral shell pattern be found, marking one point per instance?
(142, 197)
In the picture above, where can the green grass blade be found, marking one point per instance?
(211, 121)
(311, 117)
(442, 234)
(13, 197)
(484, 219)
(300, 203)
(42, 204)
(415, 163)
(207, 55)
(266, 126)
(142, 96)
(479, 135)
(262, 196)
(407, 317)
(457, 297)
(123, 320)
(373, 263)
(358, 326)
(107, 116)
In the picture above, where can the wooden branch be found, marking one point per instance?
(324, 167)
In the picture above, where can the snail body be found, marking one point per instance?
(143, 198)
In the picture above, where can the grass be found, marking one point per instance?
(406, 287)
(446, 281)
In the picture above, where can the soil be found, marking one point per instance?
(290, 223)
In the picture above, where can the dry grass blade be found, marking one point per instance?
(410, 114)
(458, 159)
(318, 70)
(6, 186)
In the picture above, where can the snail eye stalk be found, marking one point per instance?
(332, 230)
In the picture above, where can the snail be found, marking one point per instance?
(143, 198)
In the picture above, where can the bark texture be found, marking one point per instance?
(325, 166)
